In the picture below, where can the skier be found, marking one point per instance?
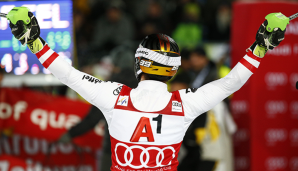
(147, 124)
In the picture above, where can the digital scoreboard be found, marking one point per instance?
(55, 21)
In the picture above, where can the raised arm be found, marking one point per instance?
(95, 91)
(198, 101)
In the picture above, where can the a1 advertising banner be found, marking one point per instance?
(30, 123)
(266, 108)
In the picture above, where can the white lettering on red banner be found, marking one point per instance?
(5, 164)
(239, 106)
(241, 163)
(294, 109)
(276, 163)
(292, 28)
(273, 136)
(40, 117)
(31, 146)
(41, 120)
(7, 110)
(273, 79)
(294, 137)
(282, 50)
(275, 107)
(241, 135)
(294, 163)
(45, 118)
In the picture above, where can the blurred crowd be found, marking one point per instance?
(108, 32)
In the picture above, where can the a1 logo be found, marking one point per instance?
(144, 124)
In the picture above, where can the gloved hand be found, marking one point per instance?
(28, 34)
(266, 41)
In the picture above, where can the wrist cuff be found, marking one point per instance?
(259, 51)
(46, 56)
(250, 61)
(37, 45)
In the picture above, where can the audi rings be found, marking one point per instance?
(145, 151)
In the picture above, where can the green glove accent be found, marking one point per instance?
(270, 34)
(276, 20)
(25, 33)
(257, 50)
(36, 45)
(19, 13)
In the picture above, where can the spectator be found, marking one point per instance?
(219, 30)
(185, 62)
(204, 70)
(189, 33)
(177, 13)
(216, 139)
(154, 21)
(137, 9)
(113, 29)
(123, 56)
(180, 81)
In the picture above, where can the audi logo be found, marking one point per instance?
(241, 163)
(294, 107)
(292, 28)
(274, 135)
(294, 163)
(283, 50)
(239, 107)
(145, 151)
(294, 135)
(241, 135)
(275, 107)
(276, 79)
(274, 163)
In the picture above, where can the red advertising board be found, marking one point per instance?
(30, 124)
(266, 108)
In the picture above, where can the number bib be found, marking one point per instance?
(146, 140)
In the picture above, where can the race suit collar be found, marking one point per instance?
(152, 85)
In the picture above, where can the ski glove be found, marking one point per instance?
(28, 34)
(265, 40)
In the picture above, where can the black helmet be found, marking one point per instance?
(158, 56)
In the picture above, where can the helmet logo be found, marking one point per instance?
(145, 63)
(142, 52)
(175, 68)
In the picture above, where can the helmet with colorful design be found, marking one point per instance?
(158, 57)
